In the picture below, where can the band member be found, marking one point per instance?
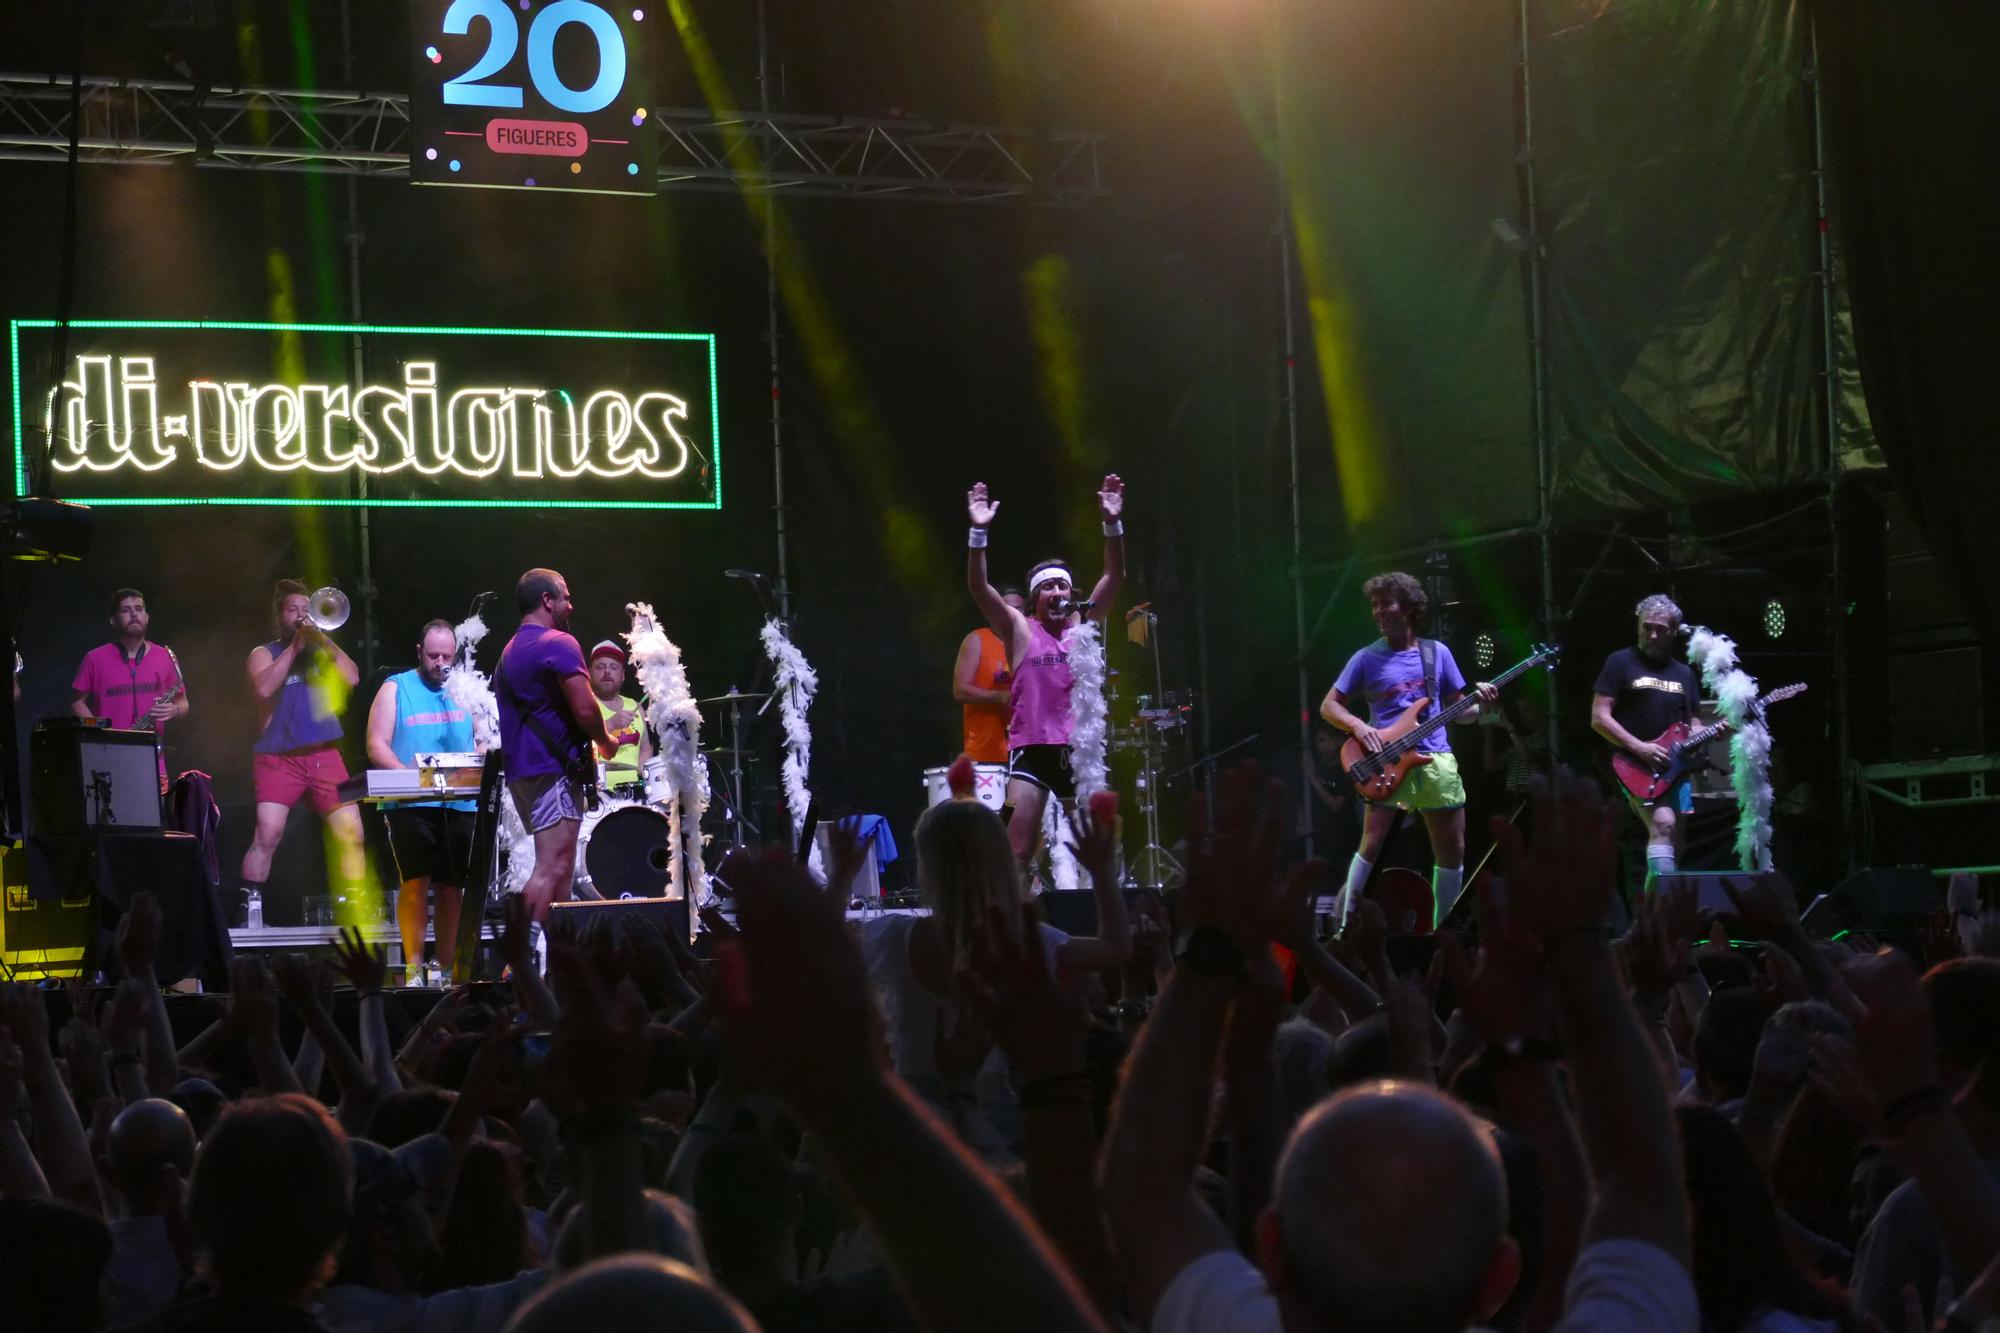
(548, 720)
(129, 681)
(1641, 691)
(301, 680)
(1039, 720)
(980, 681)
(1387, 677)
(621, 716)
(432, 840)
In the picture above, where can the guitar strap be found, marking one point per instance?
(1427, 653)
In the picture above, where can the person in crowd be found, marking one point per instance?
(148, 1159)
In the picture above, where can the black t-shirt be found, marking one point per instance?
(1648, 697)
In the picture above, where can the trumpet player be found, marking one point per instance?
(301, 680)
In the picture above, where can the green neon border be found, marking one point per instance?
(14, 328)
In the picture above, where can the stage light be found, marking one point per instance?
(1774, 619)
(1484, 651)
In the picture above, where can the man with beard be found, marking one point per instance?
(130, 682)
(1640, 692)
(432, 840)
(1039, 720)
(548, 720)
(621, 718)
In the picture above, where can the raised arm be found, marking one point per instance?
(341, 661)
(1110, 508)
(1095, 846)
(382, 728)
(1000, 616)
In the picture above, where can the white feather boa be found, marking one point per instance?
(471, 689)
(672, 713)
(1749, 742)
(1086, 708)
(795, 683)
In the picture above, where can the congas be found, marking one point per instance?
(989, 785)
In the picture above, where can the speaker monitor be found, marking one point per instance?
(1877, 899)
(568, 921)
(87, 778)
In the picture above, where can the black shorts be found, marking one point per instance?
(431, 842)
(1047, 766)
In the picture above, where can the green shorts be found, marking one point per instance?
(1432, 786)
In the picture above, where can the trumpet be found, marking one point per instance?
(328, 609)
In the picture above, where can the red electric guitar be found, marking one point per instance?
(1376, 776)
(1683, 746)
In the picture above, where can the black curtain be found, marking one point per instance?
(1912, 104)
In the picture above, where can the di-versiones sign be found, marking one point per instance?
(151, 412)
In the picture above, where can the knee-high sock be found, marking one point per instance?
(1660, 860)
(1358, 871)
(1445, 884)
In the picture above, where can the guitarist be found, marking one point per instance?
(1642, 691)
(1388, 676)
(548, 720)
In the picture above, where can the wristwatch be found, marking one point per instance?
(1209, 952)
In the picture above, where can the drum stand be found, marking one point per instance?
(1154, 864)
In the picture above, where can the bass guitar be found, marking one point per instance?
(1377, 776)
(1683, 745)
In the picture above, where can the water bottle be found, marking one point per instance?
(254, 910)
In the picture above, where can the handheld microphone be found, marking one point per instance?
(750, 574)
(1082, 608)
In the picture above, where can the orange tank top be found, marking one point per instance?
(986, 724)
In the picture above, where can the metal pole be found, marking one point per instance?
(364, 536)
(1291, 383)
(1843, 738)
(1539, 374)
(784, 588)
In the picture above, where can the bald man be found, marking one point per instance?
(150, 1154)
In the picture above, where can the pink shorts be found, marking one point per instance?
(283, 778)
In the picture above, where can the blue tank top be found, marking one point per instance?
(428, 722)
(299, 720)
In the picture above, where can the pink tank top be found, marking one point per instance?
(1041, 692)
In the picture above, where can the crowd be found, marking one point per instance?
(972, 1121)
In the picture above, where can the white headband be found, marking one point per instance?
(1049, 575)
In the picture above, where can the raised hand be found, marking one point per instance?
(297, 980)
(138, 938)
(1035, 1015)
(1093, 839)
(1895, 1047)
(365, 966)
(83, 1054)
(1504, 996)
(126, 1018)
(597, 1054)
(21, 1009)
(1563, 882)
(981, 509)
(251, 1011)
(797, 1004)
(1111, 497)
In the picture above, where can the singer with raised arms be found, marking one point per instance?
(1039, 721)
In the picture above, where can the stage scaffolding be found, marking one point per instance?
(155, 122)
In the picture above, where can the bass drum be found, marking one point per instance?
(624, 853)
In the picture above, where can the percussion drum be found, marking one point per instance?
(624, 853)
(989, 785)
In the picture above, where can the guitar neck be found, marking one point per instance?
(1447, 715)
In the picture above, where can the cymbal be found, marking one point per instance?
(738, 698)
(724, 749)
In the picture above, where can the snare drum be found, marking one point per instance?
(989, 785)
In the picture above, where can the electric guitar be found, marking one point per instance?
(1683, 746)
(1377, 776)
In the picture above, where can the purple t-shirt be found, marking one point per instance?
(1388, 682)
(120, 690)
(534, 664)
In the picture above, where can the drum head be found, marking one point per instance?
(627, 853)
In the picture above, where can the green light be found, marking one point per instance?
(1774, 619)
(401, 330)
(1838, 936)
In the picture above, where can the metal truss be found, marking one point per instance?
(157, 122)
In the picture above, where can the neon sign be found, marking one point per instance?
(437, 426)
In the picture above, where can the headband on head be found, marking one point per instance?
(1049, 575)
(607, 649)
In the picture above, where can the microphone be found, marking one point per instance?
(1082, 608)
(750, 574)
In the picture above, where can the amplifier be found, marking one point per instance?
(85, 778)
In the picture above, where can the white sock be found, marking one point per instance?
(1358, 871)
(1660, 859)
(1445, 884)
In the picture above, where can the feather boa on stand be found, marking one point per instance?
(1749, 742)
(795, 683)
(674, 717)
(471, 689)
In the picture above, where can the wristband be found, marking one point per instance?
(1115, 528)
(975, 539)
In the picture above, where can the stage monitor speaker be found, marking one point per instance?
(568, 921)
(1875, 900)
(1711, 898)
(41, 938)
(87, 778)
(1936, 704)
